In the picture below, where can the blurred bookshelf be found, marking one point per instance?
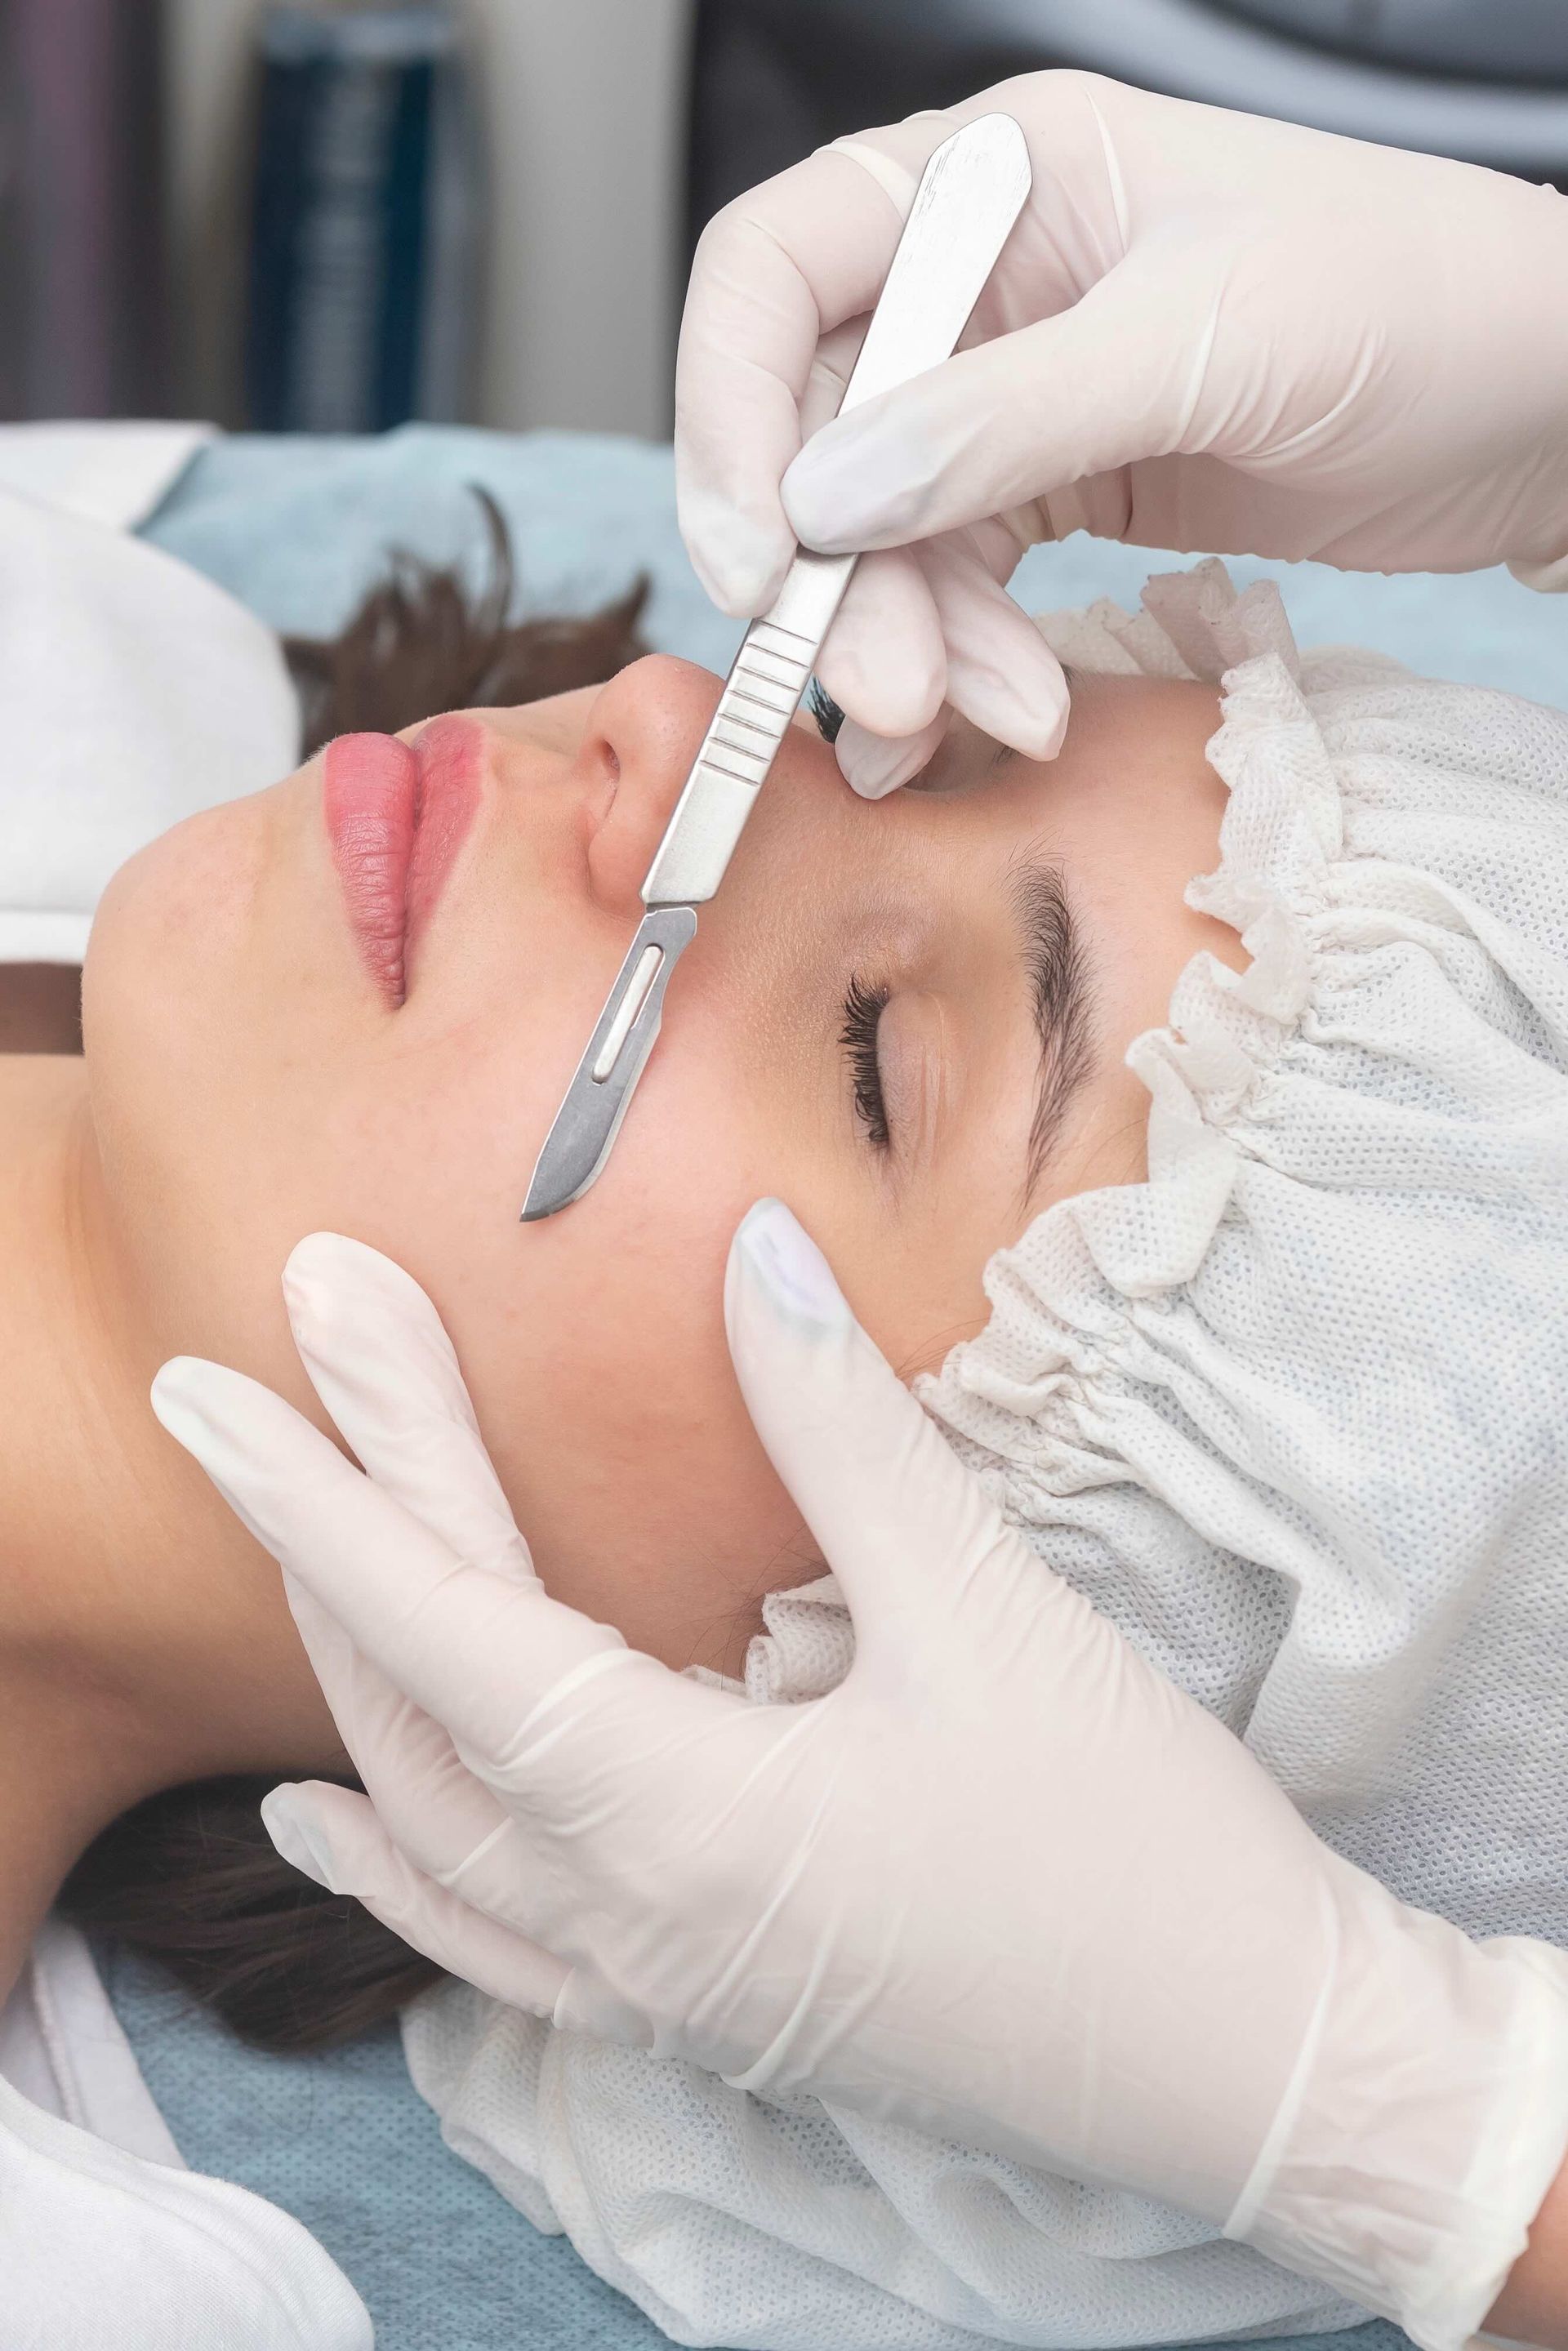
(84, 286)
(367, 198)
(336, 215)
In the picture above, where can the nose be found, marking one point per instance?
(641, 735)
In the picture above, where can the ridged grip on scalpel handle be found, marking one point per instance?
(761, 696)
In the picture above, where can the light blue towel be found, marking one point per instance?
(346, 2144)
(298, 529)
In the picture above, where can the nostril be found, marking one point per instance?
(643, 732)
(602, 783)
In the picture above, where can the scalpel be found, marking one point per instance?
(970, 194)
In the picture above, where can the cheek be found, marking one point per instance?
(916, 1283)
(244, 1105)
(594, 1344)
(161, 945)
(241, 1101)
(165, 1090)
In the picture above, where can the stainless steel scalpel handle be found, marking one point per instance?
(970, 194)
(761, 696)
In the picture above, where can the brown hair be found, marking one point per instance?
(425, 640)
(190, 1877)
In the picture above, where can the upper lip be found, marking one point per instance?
(395, 815)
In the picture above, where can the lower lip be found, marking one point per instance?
(396, 817)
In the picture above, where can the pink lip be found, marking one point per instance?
(396, 816)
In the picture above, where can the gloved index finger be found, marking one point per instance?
(381, 1361)
(773, 272)
(908, 1530)
(477, 1648)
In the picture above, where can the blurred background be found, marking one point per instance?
(338, 217)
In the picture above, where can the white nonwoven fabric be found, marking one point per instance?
(99, 2246)
(134, 693)
(105, 2236)
(1290, 1412)
(107, 470)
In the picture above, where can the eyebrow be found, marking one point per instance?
(1062, 1001)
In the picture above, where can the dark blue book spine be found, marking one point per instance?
(356, 173)
(405, 206)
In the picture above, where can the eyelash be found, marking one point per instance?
(863, 1009)
(864, 1006)
(825, 711)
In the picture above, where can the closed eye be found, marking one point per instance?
(863, 1009)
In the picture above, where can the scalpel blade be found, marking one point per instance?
(578, 1144)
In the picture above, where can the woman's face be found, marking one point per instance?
(907, 1020)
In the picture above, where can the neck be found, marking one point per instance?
(144, 1638)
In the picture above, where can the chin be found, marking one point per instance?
(161, 1008)
(166, 926)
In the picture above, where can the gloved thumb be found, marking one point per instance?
(1114, 379)
(333, 1835)
(900, 1521)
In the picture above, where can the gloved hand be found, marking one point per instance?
(1207, 332)
(1005, 1883)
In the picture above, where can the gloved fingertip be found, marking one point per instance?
(313, 1266)
(169, 1382)
(855, 485)
(739, 562)
(742, 591)
(232, 1428)
(316, 1256)
(179, 1395)
(213, 1411)
(1052, 731)
(874, 765)
(297, 1833)
(774, 1256)
(304, 1296)
(1028, 714)
(325, 1261)
(328, 1271)
(820, 493)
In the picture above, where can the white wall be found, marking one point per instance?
(207, 91)
(585, 113)
(584, 106)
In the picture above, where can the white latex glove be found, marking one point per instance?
(1005, 1883)
(1207, 332)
